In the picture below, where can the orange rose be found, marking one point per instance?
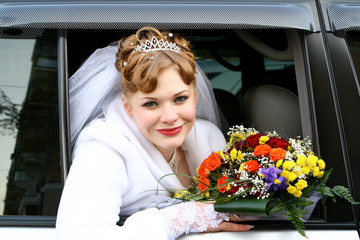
(277, 154)
(203, 171)
(213, 161)
(251, 166)
(262, 150)
(221, 181)
(202, 181)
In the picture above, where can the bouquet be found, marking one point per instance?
(261, 174)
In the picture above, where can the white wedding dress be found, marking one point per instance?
(115, 170)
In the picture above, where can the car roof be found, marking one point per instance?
(183, 14)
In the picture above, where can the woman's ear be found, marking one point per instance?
(127, 106)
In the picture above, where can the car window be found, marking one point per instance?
(232, 66)
(353, 40)
(30, 177)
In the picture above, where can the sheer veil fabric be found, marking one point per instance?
(97, 83)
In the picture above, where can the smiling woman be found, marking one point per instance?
(166, 115)
(146, 132)
(309, 49)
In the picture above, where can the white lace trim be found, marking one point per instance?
(192, 217)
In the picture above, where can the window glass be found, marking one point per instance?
(30, 178)
(234, 67)
(353, 39)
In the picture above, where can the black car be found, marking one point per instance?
(303, 57)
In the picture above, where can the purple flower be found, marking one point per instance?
(272, 178)
(279, 183)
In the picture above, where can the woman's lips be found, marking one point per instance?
(170, 131)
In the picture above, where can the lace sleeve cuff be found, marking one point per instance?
(192, 217)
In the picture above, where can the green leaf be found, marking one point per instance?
(326, 191)
(249, 206)
(343, 192)
(294, 215)
(277, 208)
(214, 194)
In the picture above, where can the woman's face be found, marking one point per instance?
(166, 115)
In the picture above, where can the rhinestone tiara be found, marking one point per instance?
(156, 45)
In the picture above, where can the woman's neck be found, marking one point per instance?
(167, 154)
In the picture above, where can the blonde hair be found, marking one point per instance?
(140, 71)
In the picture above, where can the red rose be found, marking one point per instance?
(253, 140)
(221, 181)
(251, 166)
(238, 186)
(278, 142)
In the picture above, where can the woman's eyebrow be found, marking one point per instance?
(181, 92)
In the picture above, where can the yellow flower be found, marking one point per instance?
(292, 176)
(285, 174)
(240, 155)
(301, 184)
(222, 155)
(298, 193)
(233, 154)
(287, 165)
(241, 167)
(305, 170)
(291, 189)
(320, 175)
(206, 194)
(301, 161)
(278, 163)
(263, 139)
(231, 140)
(181, 193)
(321, 164)
(315, 171)
(312, 160)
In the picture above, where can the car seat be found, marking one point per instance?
(270, 107)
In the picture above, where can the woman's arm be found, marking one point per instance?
(92, 197)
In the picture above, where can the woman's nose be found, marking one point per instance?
(169, 114)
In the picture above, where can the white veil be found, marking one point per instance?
(97, 82)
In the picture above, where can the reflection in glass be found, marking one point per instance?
(30, 181)
(353, 38)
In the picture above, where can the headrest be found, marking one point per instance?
(270, 107)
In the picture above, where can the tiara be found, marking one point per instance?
(156, 45)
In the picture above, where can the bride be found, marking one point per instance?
(139, 111)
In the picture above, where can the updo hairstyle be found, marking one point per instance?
(140, 69)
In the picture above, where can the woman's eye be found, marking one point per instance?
(149, 104)
(181, 99)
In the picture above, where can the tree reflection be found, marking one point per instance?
(9, 115)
